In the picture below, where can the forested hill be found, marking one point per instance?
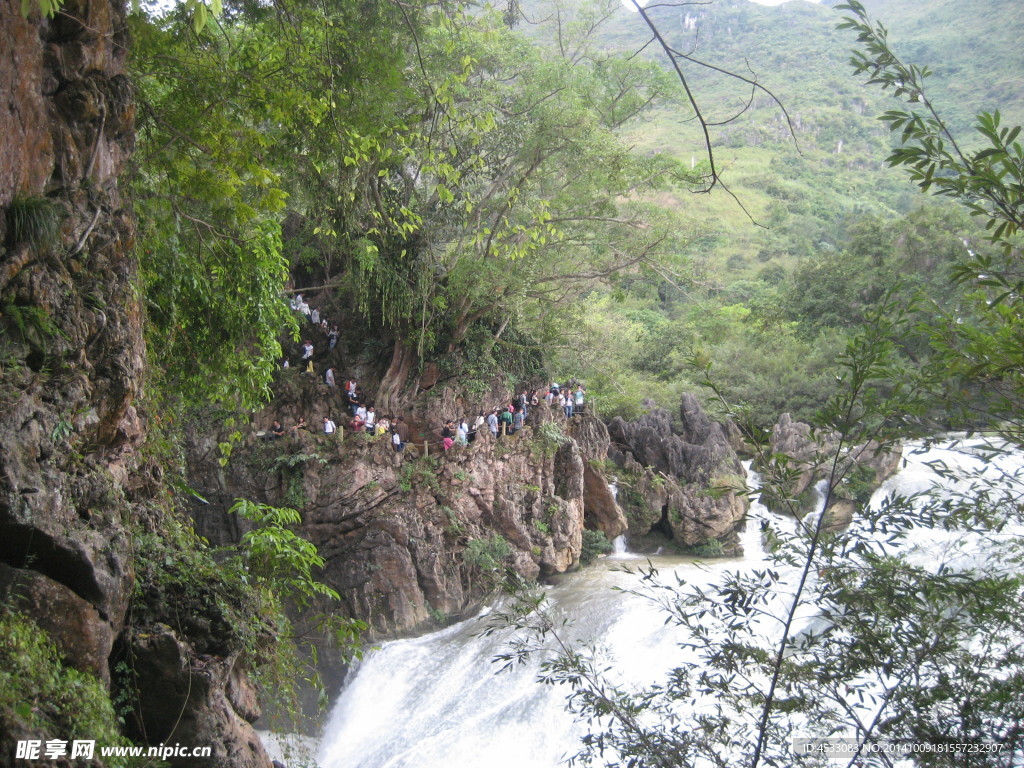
(814, 231)
(795, 50)
(802, 176)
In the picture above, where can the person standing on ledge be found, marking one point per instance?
(402, 431)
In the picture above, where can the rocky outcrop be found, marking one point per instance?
(205, 700)
(800, 458)
(402, 534)
(680, 480)
(71, 332)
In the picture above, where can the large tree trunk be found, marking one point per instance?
(392, 394)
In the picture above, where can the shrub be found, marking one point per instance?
(33, 220)
(487, 554)
(594, 543)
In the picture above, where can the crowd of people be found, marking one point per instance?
(317, 323)
(361, 416)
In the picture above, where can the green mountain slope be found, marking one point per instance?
(805, 185)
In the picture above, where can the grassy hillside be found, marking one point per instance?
(972, 46)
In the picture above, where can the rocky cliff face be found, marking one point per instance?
(73, 488)
(71, 333)
(679, 480)
(403, 534)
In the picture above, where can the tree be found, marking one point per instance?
(496, 194)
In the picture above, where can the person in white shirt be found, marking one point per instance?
(329, 377)
(371, 419)
(329, 426)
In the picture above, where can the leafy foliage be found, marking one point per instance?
(487, 555)
(41, 694)
(594, 543)
(989, 182)
(277, 557)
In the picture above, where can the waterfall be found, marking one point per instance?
(438, 701)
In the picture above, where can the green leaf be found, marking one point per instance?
(199, 17)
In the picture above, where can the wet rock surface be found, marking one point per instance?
(800, 458)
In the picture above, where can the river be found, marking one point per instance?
(440, 701)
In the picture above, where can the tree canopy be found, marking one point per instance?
(446, 177)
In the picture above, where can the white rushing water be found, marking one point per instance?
(439, 700)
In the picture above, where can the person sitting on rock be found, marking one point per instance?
(276, 431)
(300, 424)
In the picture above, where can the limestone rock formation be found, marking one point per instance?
(205, 700)
(801, 457)
(679, 479)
